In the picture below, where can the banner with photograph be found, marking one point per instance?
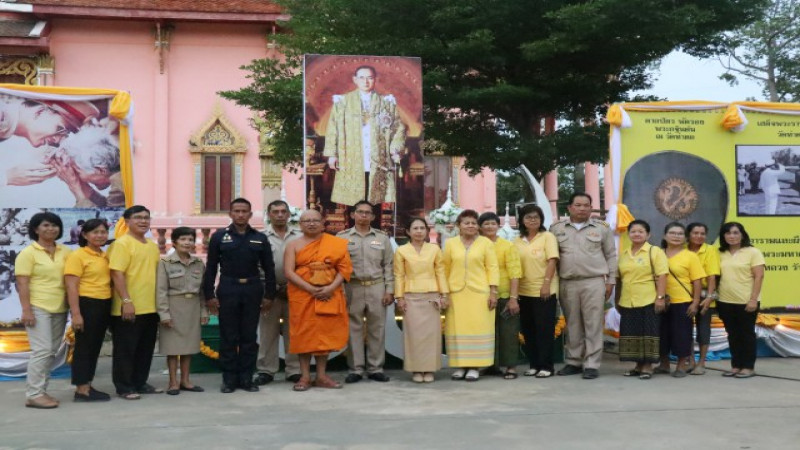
(63, 150)
(363, 135)
(713, 163)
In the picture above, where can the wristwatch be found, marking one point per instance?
(661, 297)
(127, 300)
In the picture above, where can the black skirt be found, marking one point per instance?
(639, 334)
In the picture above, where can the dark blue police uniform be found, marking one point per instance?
(240, 293)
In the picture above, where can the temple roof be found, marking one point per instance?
(226, 6)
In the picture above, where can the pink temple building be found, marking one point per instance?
(193, 150)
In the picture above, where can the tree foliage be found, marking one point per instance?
(767, 51)
(493, 68)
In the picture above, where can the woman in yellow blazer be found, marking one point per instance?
(470, 264)
(506, 355)
(420, 289)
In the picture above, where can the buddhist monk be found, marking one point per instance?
(316, 264)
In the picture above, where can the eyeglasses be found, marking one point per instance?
(143, 218)
(363, 213)
(311, 221)
(677, 233)
(531, 218)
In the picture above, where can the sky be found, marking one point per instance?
(684, 77)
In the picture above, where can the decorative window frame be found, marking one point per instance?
(197, 147)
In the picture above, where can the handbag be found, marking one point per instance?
(653, 272)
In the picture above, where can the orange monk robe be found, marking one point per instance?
(310, 332)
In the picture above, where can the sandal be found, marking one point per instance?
(645, 376)
(507, 375)
(302, 385)
(418, 377)
(730, 373)
(632, 373)
(698, 370)
(173, 391)
(472, 375)
(544, 374)
(326, 383)
(149, 389)
(130, 396)
(458, 374)
(530, 372)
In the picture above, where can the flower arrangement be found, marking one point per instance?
(444, 216)
(294, 215)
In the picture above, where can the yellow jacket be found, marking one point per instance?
(419, 272)
(475, 268)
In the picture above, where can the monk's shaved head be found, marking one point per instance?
(310, 214)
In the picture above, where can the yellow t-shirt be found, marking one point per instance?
(46, 276)
(636, 273)
(736, 284)
(509, 265)
(139, 261)
(687, 267)
(533, 258)
(92, 269)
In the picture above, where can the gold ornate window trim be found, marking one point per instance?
(217, 136)
(27, 68)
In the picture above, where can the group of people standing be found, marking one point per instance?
(322, 292)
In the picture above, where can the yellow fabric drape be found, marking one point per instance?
(119, 109)
(624, 217)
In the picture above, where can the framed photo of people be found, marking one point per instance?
(363, 134)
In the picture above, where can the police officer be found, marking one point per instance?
(369, 292)
(237, 251)
(586, 270)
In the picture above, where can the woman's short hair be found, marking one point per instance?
(641, 223)
(728, 226)
(88, 226)
(667, 228)
(179, 232)
(694, 225)
(46, 216)
(465, 214)
(524, 211)
(488, 216)
(411, 221)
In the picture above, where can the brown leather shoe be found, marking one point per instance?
(43, 401)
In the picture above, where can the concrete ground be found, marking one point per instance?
(611, 412)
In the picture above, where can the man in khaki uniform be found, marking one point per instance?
(369, 292)
(586, 270)
(269, 327)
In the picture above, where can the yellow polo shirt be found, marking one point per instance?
(92, 269)
(46, 276)
(709, 258)
(636, 273)
(508, 264)
(533, 258)
(686, 267)
(139, 261)
(736, 284)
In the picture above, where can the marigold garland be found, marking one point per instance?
(208, 352)
(69, 336)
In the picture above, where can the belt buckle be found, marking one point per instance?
(188, 295)
(242, 280)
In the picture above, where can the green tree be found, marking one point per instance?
(511, 189)
(767, 51)
(492, 69)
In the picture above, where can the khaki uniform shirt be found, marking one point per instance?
(585, 253)
(372, 256)
(278, 245)
(174, 278)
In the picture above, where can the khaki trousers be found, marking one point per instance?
(582, 301)
(366, 302)
(269, 332)
(45, 338)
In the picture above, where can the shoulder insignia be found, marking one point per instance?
(600, 222)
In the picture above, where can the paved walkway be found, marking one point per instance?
(611, 412)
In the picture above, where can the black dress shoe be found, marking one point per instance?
(227, 388)
(353, 378)
(569, 369)
(293, 378)
(378, 376)
(590, 374)
(263, 378)
(249, 387)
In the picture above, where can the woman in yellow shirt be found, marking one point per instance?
(88, 281)
(683, 288)
(640, 299)
(742, 269)
(506, 322)
(538, 253)
(420, 288)
(709, 258)
(470, 265)
(39, 269)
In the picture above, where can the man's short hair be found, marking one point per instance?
(579, 194)
(370, 68)
(133, 210)
(241, 200)
(275, 203)
(363, 202)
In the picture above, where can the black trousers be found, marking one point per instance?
(134, 343)
(740, 326)
(239, 311)
(537, 320)
(676, 331)
(96, 315)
